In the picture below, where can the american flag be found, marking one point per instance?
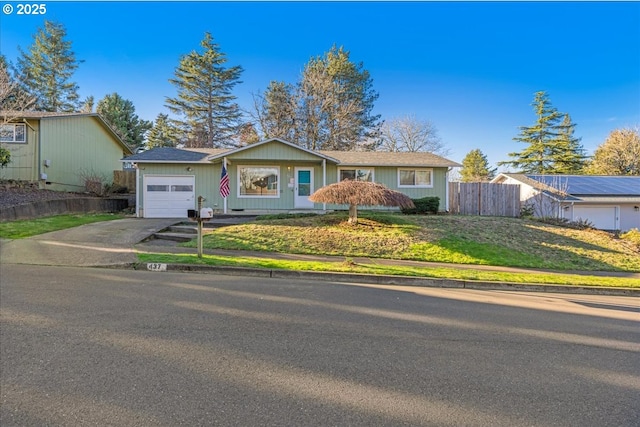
(224, 183)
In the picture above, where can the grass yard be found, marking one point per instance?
(373, 268)
(32, 227)
(509, 242)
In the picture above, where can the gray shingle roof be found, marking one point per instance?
(381, 158)
(346, 158)
(167, 155)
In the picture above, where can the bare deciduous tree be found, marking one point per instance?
(412, 135)
(13, 100)
(12, 97)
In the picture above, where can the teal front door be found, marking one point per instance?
(303, 188)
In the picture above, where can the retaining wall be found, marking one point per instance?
(46, 208)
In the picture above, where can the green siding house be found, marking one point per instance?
(273, 176)
(58, 150)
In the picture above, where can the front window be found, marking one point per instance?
(415, 178)
(259, 181)
(356, 174)
(16, 133)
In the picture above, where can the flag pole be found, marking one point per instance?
(224, 163)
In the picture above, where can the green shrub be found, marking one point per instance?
(424, 206)
(5, 157)
(527, 211)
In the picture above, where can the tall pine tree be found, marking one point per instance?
(121, 115)
(567, 154)
(330, 108)
(475, 167)
(163, 133)
(551, 146)
(276, 111)
(205, 103)
(46, 70)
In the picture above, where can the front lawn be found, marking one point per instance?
(509, 242)
(349, 266)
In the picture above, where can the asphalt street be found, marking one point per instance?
(100, 347)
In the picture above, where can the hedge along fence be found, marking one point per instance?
(46, 208)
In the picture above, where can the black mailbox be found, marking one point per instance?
(192, 213)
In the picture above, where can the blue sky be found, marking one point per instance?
(471, 68)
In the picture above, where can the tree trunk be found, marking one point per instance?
(353, 214)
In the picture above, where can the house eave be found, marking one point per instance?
(266, 141)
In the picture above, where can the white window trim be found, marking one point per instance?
(373, 172)
(15, 125)
(430, 170)
(258, 196)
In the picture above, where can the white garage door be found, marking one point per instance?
(168, 196)
(602, 217)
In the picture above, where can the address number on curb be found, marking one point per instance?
(156, 267)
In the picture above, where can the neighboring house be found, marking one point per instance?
(273, 175)
(59, 150)
(608, 202)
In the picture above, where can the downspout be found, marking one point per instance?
(324, 179)
(39, 154)
(446, 190)
(138, 186)
(572, 214)
(39, 159)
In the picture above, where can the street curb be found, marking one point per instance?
(386, 280)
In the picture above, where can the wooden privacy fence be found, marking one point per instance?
(484, 198)
(125, 179)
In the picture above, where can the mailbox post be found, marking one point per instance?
(200, 214)
(200, 200)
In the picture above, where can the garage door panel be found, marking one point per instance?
(602, 217)
(168, 196)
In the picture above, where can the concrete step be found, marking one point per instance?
(183, 229)
(176, 237)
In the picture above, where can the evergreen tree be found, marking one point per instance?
(330, 108)
(567, 154)
(336, 102)
(618, 155)
(276, 111)
(551, 147)
(163, 133)
(47, 68)
(475, 167)
(205, 101)
(121, 116)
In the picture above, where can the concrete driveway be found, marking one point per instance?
(108, 243)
